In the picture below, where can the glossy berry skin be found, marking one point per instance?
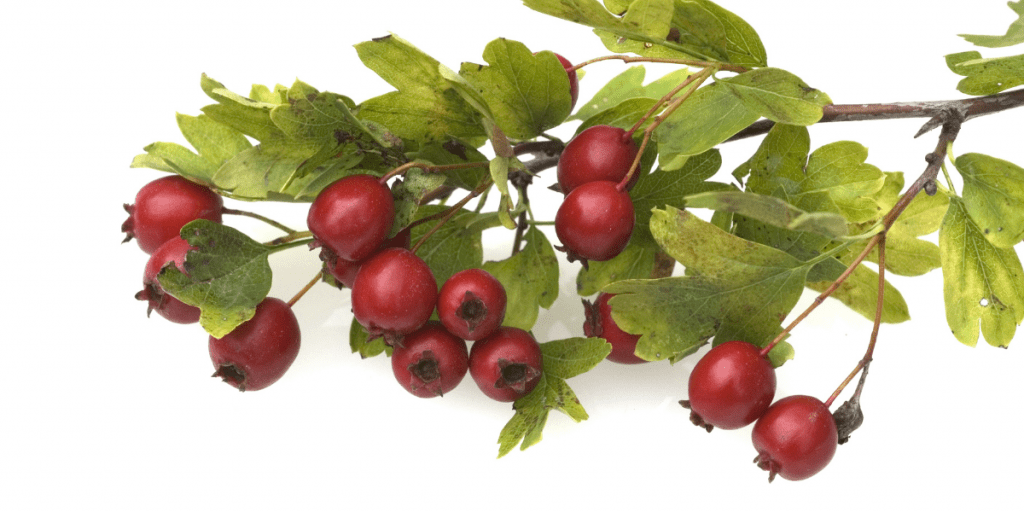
(599, 153)
(471, 304)
(730, 387)
(574, 82)
(257, 353)
(345, 271)
(595, 221)
(163, 206)
(394, 294)
(352, 216)
(599, 323)
(795, 438)
(431, 361)
(172, 251)
(506, 365)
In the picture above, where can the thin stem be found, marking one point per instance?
(316, 279)
(450, 212)
(684, 62)
(296, 235)
(521, 224)
(661, 101)
(289, 245)
(863, 363)
(257, 216)
(949, 182)
(970, 107)
(402, 169)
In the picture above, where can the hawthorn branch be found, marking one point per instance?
(970, 107)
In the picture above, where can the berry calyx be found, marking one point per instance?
(352, 216)
(599, 323)
(471, 304)
(166, 204)
(259, 352)
(595, 221)
(394, 294)
(599, 153)
(795, 438)
(430, 362)
(506, 365)
(173, 252)
(730, 387)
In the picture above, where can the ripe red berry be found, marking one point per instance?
(730, 387)
(257, 353)
(599, 323)
(595, 221)
(430, 362)
(172, 251)
(163, 206)
(352, 216)
(574, 82)
(506, 365)
(599, 153)
(394, 294)
(795, 438)
(471, 304)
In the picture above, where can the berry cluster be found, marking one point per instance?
(258, 352)
(733, 386)
(595, 220)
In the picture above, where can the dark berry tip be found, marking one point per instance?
(231, 374)
(472, 310)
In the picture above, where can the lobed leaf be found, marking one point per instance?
(771, 210)
(707, 118)
(527, 93)
(986, 76)
(994, 197)
(1014, 34)
(226, 275)
(778, 95)
(860, 293)
(670, 188)
(562, 359)
(636, 261)
(983, 285)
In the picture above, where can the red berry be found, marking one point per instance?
(352, 216)
(163, 206)
(574, 82)
(394, 294)
(599, 153)
(471, 304)
(172, 251)
(506, 365)
(430, 362)
(730, 387)
(600, 323)
(257, 353)
(595, 221)
(795, 438)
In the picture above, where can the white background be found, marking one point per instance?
(102, 407)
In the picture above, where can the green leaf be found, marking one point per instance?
(171, 157)
(770, 210)
(456, 246)
(696, 29)
(562, 359)
(1014, 34)
(226, 275)
(982, 284)
(707, 118)
(986, 76)
(837, 179)
(734, 288)
(636, 261)
(357, 341)
(626, 85)
(860, 293)
(409, 191)
(905, 253)
(778, 95)
(426, 107)
(530, 278)
(454, 151)
(216, 143)
(994, 197)
(247, 115)
(526, 93)
(670, 188)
